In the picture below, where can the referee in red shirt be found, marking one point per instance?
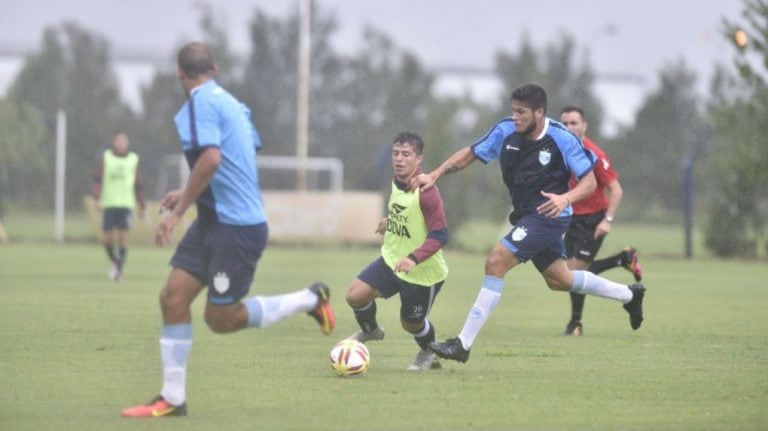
(592, 218)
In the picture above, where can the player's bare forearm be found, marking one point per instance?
(583, 188)
(615, 194)
(458, 161)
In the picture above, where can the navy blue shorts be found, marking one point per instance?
(580, 241)
(415, 300)
(222, 257)
(116, 218)
(537, 238)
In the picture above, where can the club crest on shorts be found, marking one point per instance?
(221, 282)
(519, 233)
(544, 157)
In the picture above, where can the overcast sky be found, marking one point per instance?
(634, 38)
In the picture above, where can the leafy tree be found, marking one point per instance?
(566, 80)
(72, 71)
(382, 90)
(668, 127)
(22, 160)
(739, 113)
(269, 83)
(157, 138)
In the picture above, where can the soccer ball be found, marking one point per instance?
(349, 358)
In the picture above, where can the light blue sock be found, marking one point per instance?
(266, 310)
(485, 303)
(585, 282)
(253, 305)
(175, 345)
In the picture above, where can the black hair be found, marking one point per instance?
(411, 139)
(532, 95)
(570, 108)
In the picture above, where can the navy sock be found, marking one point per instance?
(366, 317)
(110, 252)
(577, 306)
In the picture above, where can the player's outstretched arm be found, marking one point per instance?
(458, 161)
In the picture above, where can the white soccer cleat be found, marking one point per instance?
(113, 273)
(425, 360)
(375, 335)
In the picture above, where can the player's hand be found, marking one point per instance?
(170, 200)
(404, 265)
(165, 229)
(381, 229)
(603, 228)
(421, 181)
(553, 206)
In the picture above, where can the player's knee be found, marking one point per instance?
(170, 300)
(556, 283)
(495, 264)
(414, 327)
(358, 297)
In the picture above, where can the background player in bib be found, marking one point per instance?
(411, 263)
(222, 246)
(117, 188)
(592, 218)
(537, 156)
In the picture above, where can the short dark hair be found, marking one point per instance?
(196, 59)
(571, 108)
(532, 95)
(411, 139)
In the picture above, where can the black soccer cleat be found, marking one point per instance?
(631, 262)
(635, 306)
(450, 349)
(574, 328)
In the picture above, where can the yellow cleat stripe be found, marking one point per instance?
(164, 412)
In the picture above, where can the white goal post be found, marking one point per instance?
(174, 171)
(321, 212)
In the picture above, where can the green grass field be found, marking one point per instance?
(76, 348)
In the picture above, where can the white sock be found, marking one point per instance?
(590, 284)
(485, 303)
(174, 353)
(266, 310)
(424, 331)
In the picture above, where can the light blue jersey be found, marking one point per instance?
(212, 117)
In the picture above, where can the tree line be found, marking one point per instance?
(359, 101)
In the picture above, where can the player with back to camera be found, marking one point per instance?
(117, 188)
(537, 156)
(411, 264)
(221, 248)
(592, 218)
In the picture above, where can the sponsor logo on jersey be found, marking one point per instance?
(399, 229)
(396, 222)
